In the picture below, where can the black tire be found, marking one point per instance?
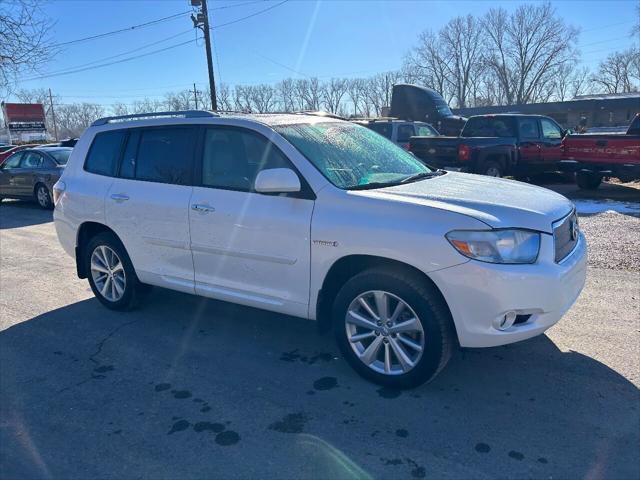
(427, 303)
(43, 196)
(588, 180)
(133, 289)
(491, 168)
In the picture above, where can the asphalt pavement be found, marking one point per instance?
(186, 387)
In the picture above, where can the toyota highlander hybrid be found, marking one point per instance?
(323, 219)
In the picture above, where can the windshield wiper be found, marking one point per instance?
(367, 186)
(421, 175)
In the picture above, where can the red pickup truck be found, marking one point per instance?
(593, 157)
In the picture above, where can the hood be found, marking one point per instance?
(497, 202)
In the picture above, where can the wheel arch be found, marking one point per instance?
(86, 232)
(345, 268)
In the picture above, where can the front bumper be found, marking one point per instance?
(479, 293)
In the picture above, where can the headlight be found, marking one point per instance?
(497, 246)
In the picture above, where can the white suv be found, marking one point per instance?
(322, 219)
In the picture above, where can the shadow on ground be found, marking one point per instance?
(18, 213)
(191, 388)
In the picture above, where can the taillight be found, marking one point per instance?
(464, 153)
(58, 190)
(405, 146)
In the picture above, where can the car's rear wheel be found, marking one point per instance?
(588, 180)
(393, 327)
(491, 168)
(43, 197)
(111, 275)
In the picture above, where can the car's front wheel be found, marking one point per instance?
(393, 327)
(111, 275)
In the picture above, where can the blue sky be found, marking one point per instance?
(316, 38)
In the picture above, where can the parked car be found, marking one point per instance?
(11, 149)
(416, 103)
(31, 174)
(593, 157)
(322, 219)
(399, 131)
(496, 145)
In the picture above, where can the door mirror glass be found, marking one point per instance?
(277, 180)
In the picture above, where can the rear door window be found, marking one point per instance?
(31, 160)
(489, 127)
(104, 153)
(529, 128)
(385, 129)
(165, 155)
(405, 132)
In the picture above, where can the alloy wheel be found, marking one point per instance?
(384, 332)
(43, 196)
(107, 272)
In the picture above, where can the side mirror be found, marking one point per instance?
(566, 132)
(277, 180)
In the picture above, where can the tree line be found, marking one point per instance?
(529, 55)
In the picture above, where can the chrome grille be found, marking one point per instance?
(565, 236)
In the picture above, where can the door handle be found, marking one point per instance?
(200, 207)
(119, 197)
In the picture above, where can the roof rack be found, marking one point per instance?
(320, 113)
(142, 116)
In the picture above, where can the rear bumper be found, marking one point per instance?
(626, 170)
(480, 294)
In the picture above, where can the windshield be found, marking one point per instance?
(352, 156)
(60, 156)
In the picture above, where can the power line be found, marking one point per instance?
(153, 52)
(126, 29)
(259, 12)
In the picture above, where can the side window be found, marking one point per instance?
(383, 129)
(529, 128)
(104, 153)
(165, 155)
(13, 161)
(405, 132)
(550, 129)
(31, 160)
(425, 131)
(232, 158)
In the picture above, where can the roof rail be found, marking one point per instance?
(142, 116)
(320, 113)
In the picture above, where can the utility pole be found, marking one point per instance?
(53, 114)
(201, 21)
(195, 95)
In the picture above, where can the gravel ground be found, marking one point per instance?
(613, 240)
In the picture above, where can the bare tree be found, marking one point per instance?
(262, 97)
(356, 95)
(426, 65)
(74, 118)
(462, 41)
(24, 40)
(308, 93)
(379, 88)
(182, 100)
(333, 92)
(286, 94)
(619, 72)
(527, 49)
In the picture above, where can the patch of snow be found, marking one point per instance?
(592, 207)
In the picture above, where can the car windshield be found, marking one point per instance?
(60, 156)
(351, 156)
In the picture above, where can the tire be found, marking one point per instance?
(491, 168)
(421, 301)
(43, 197)
(588, 180)
(124, 291)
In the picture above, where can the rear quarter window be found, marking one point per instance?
(104, 153)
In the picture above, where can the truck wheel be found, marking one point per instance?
(393, 327)
(588, 180)
(491, 168)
